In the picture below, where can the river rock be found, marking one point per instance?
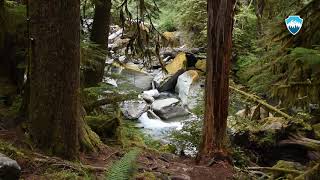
(168, 108)
(139, 79)
(152, 115)
(147, 98)
(153, 93)
(9, 169)
(115, 35)
(133, 109)
(171, 39)
(201, 65)
(189, 88)
(178, 63)
(158, 105)
(119, 44)
(167, 82)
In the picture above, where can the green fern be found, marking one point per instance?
(125, 167)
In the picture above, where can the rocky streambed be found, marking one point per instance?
(167, 95)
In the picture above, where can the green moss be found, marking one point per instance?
(133, 136)
(316, 129)
(287, 165)
(11, 151)
(146, 176)
(105, 126)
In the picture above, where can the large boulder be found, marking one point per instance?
(168, 108)
(166, 82)
(137, 77)
(178, 63)
(119, 44)
(189, 88)
(134, 109)
(201, 65)
(9, 169)
(115, 35)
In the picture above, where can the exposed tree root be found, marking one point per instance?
(63, 164)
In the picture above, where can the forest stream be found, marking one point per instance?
(159, 90)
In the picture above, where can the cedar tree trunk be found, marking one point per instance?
(220, 25)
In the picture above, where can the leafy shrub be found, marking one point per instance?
(189, 137)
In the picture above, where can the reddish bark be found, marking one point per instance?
(220, 25)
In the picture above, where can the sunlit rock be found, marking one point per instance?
(179, 63)
(201, 65)
(169, 108)
(189, 88)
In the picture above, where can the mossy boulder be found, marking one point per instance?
(179, 63)
(201, 65)
(105, 126)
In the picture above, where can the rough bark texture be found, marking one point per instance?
(220, 25)
(99, 36)
(55, 76)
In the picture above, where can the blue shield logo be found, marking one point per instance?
(294, 24)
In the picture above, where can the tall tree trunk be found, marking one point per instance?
(220, 25)
(99, 35)
(55, 76)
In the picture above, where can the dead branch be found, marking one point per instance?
(260, 101)
(276, 169)
(110, 99)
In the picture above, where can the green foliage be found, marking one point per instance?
(11, 151)
(240, 159)
(189, 137)
(125, 167)
(12, 16)
(91, 55)
(245, 32)
(133, 136)
(65, 175)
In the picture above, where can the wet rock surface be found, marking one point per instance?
(9, 169)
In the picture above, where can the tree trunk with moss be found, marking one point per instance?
(99, 36)
(220, 25)
(54, 110)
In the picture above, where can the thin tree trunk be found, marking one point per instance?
(55, 76)
(99, 36)
(220, 25)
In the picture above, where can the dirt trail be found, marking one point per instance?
(164, 166)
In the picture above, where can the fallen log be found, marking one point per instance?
(276, 170)
(109, 99)
(260, 101)
(310, 144)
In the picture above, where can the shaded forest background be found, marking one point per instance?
(266, 123)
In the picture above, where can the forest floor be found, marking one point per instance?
(35, 165)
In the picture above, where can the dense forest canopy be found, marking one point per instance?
(156, 89)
